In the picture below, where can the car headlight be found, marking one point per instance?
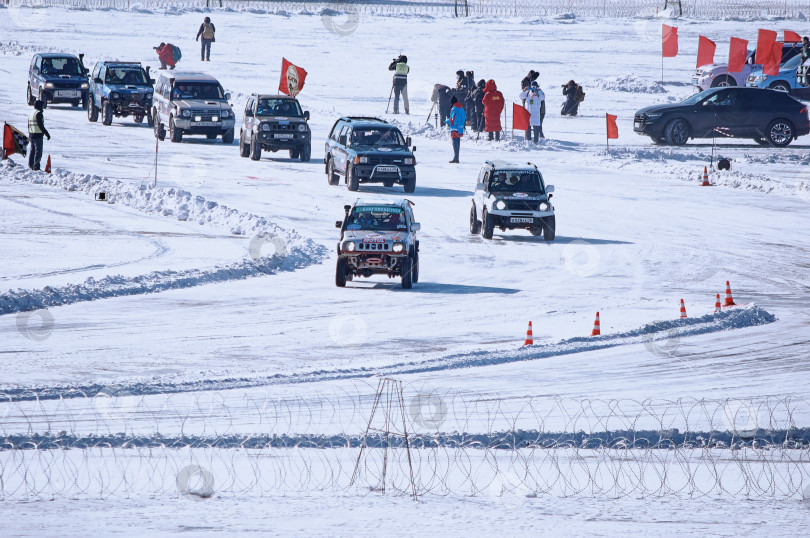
(408, 160)
(500, 204)
(265, 127)
(707, 73)
(49, 85)
(85, 85)
(398, 247)
(349, 246)
(197, 118)
(115, 95)
(186, 113)
(302, 127)
(362, 160)
(148, 96)
(654, 116)
(226, 114)
(543, 206)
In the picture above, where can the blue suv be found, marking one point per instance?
(120, 89)
(57, 78)
(785, 81)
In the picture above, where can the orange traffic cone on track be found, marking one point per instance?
(683, 309)
(705, 178)
(717, 304)
(596, 328)
(48, 165)
(529, 339)
(729, 299)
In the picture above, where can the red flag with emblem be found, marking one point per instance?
(292, 78)
(669, 41)
(706, 48)
(520, 117)
(737, 53)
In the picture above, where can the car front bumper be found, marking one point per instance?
(204, 127)
(272, 140)
(519, 219)
(384, 173)
(65, 95)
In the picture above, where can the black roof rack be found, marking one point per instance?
(363, 118)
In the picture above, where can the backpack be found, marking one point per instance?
(176, 53)
(208, 31)
(580, 95)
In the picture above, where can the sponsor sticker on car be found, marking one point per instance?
(374, 239)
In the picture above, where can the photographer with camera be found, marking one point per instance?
(166, 55)
(535, 102)
(400, 83)
(573, 97)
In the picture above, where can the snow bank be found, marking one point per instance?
(628, 83)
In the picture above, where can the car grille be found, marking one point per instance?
(67, 85)
(205, 115)
(639, 118)
(375, 159)
(285, 128)
(374, 246)
(522, 205)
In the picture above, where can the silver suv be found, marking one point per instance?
(192, 104)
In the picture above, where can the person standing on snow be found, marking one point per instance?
(208, 33)
(535, 101)
(400, 68)
(165, 52)
(443, 94)
(493, 107)
(477, 110)
(527, 81)
(572, 92)
(456, 122)
(36, 130)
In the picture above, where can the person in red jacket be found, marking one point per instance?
(493, 107)
(165, 53)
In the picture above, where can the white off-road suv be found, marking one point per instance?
(511, 196)
(191, 104)
(378, 238)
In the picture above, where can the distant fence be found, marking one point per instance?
(716, 9)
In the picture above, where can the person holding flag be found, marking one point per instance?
(456, 122)
(36, 130)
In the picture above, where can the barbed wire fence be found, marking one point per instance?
(291, 442)
(718, 9)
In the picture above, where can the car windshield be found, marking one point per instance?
(377, 136)
(198, 90)
(515, 181)
(125, 75)
(61, 66)
(279, 107)
(793, 63)
(696, 98)
(379, 218)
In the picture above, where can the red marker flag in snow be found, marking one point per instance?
(737, 53)
(292, 78)
(14, 141)
(792, 37)
(706, 48)
(669, 41)
(612, 128)
(765, 41)
(520, 118)
(771, 67)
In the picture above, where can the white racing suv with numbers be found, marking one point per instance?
(510, 196)
(378, 238)
(191, 104)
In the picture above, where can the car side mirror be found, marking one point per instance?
(227, 96)
(481, 187)
(413, 149)
(408, 141)
(306, 115)
(339, 224)
(97, 80)
(35, 70)
(415, 227)
(549, 189)
(342, 140)
(152, 81)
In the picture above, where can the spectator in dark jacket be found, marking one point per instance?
(571, 104)
(443, 95)
(527, 81)
(469, 102)
(805, 49)
(478, 107)
(208, 33)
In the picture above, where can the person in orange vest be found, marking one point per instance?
(165, 52)
(208, 33)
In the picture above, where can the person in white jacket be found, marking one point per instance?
(535, 102)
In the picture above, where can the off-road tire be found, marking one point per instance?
(244, 150)
(415, 273)
(255, 149)
(407, 273)
(780, 86)
(150, 119)
(305, 154)
(723, 81)
(92, 112)
(475, 224)
(228, 136)
(488, 225)
(106, 113)
(175, 132)
(549, 228)
(780, 133)
(340, 272)
(410, 184)
(331, 176)
(352, 181)
(677, 132)
(28, 97)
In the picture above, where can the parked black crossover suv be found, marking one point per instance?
(767, 116)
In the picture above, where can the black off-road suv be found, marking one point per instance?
(274, 122)
(369, 150)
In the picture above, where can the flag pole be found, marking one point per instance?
(607, 137)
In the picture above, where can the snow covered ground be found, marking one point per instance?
(219, 281)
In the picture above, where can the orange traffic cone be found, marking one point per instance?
(717, 303)
(729, 300)
(48, 165)
(529, 340)
(705, 178)
(596, 330)
(683, 309)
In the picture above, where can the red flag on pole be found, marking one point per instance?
(706, 48)
(669, 41)
(292, 78)
(765, 40)
(612, 128)
(771, 67)
(792, 37)
(520, 117)
(737, 53)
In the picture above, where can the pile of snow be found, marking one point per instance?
(628, 83)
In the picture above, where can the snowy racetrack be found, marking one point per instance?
(154, 295)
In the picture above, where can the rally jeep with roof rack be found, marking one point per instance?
(120, 89)
(378, 238)
(272, 123)
(192, 104)
(512, 196)
(369, 150)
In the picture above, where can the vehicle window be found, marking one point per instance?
(377, 136)
(249, 105)
(125, 75)
(724, 99)
(61, 66)
(381, 218)
(515, 181)
(345, 131)
(789, 52)
(485, 179)
(335, 131)
(198, 90)
(34, 61)
(696, 98)
(279, 107)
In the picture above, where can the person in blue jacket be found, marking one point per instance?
(456, 122)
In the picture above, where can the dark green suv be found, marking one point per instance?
(369, 150)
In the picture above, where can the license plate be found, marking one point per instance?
(68, 93)
(205, 124)
(694, 81)
(520, 221)
(393, 169)
(283, 136)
